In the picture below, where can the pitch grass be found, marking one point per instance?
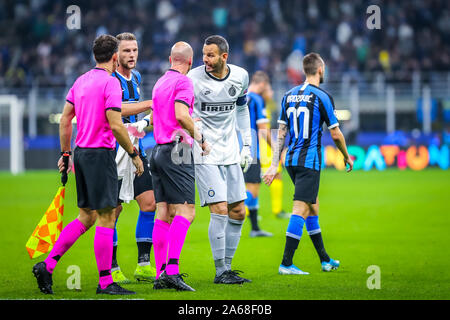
(397, 220)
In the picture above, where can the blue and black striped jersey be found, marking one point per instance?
(257, 110)
(130, 94)
(304, 109)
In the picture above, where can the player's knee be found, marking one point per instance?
(118, 210)
(87, 218)
(190, 216)
(219, 208)
(148, 206)
(106, 217)
(87, 222)
(237, 213)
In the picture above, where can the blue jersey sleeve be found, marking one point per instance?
(283, 116)
(327, 111)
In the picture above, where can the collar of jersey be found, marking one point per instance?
(174, 70)
(131, 75)
(217, 79)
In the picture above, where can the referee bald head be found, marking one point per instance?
(181, 57)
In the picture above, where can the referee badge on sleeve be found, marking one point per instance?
(211, 193)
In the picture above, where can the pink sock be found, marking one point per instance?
(177, 235)
(103, 248)
(160, 244)
(66, 239)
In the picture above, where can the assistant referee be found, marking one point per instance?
(95, 99)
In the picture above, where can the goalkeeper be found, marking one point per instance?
(221, 106)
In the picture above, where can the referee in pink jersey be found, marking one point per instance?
(95, 99)
(172, 166)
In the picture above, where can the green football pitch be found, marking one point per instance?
(397, 221)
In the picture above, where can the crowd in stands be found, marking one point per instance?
(270, 35)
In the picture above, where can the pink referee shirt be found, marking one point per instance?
(172, 87)
(92, 94)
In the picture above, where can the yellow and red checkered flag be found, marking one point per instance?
(47, 231)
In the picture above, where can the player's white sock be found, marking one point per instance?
(216, 233)
(232, 238)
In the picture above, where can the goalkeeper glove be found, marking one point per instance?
(246, 158)
(137, 128)
(140, 125)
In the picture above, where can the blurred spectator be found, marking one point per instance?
(263, 34)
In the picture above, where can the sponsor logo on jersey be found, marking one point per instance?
(217, 106)
(206, 92)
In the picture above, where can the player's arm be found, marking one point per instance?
(131, 109)
(262, 123)
(113, 101)
(327, 112)
(143, 123)
(65, 133)
(276, 151)
(264, 129)
(243, 125)
(184, 119)
(339, 141)
(121, 134)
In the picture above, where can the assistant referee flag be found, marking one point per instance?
(47, 231)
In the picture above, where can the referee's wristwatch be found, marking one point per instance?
(134, 153)
(66, 153)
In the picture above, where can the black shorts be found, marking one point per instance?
(306, 183)
(142, 183)
(96, 177)
(253, 174)
(173, 175)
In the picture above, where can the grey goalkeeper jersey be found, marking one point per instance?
(215, 107)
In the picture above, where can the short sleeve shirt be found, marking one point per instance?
(92, 94)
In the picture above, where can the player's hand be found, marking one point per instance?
(140, 125)
(270, 175)
(206, 149)
(61, 164)
(139, 165)
(246, 158)
(348, 164)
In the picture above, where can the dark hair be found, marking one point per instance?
(104, 47)
(220, 41)
(260, 76)
(126, 36)
(311, 62)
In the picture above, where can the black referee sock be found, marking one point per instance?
(114, 258)
(289, 250)
(144, 249)
(254, 219)
(318, 244)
